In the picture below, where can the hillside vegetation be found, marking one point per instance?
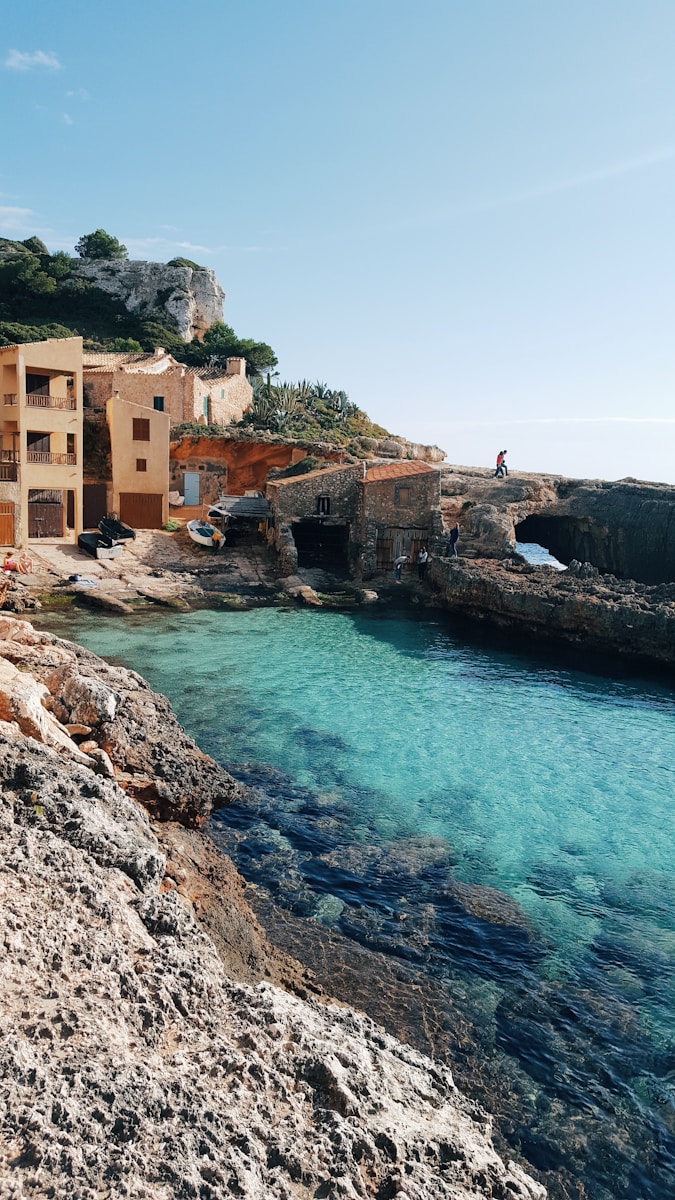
(42, 295)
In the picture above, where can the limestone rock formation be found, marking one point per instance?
(132, 1062)
(626, 528)
(191, 295)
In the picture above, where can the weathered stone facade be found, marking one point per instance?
(192, 394)
(383, 510)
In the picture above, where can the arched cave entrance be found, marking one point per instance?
(322, 544)
(637, 553)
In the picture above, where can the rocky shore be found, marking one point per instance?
(578, 606)
(154, 1043)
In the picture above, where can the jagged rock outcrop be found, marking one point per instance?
(192, 296)
(152, 757)
(625, 528)
(395, 447)
(131, 1061)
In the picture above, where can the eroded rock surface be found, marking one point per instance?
(152, 757)
(191, 295)
(578, 605)
(132, 1062)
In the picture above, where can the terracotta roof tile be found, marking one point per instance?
(396, 470)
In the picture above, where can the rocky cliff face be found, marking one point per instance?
(137, 1056)
(191, 295)
(625, 528)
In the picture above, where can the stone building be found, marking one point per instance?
(158, 381)
(41, 441)
(358, 517)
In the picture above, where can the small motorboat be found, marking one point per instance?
(201, 532)
(99, 546)
(115, 529)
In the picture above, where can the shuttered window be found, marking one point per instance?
(141, 429)
(141, 464)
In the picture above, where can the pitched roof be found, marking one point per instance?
(109, 360)
(396, 470)
(315, 474)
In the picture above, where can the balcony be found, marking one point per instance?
(10, 398)
(8, 467)
(33, 400)
(46, 458)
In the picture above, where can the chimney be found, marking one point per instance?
(236, 366)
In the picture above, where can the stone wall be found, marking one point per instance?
(382, 496)
(213, 481)
(296, 498)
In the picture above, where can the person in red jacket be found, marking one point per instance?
(500, 460)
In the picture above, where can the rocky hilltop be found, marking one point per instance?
(146, 1051)
(192, 296)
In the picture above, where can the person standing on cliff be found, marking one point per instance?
(454, 538)
(505, 469)
(422, 560)
(499, 474)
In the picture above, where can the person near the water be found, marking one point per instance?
(216, 540)
(422, 560)
(499, 473)
(454, 538)
(9, 562)
(399, 564)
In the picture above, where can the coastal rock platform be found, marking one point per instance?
(145, 1054)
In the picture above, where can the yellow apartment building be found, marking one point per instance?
(41, 442)
(139, 453)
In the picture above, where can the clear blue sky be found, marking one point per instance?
(460, 211)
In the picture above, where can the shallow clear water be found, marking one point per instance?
(394, 757)
(539, 555)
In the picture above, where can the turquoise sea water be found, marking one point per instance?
(396, 759)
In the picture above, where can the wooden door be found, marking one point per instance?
(6, 524)
(191, 489)
(141, 510)
(94, 498)
(45, 513)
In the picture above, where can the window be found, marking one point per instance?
(38, 443)
(222, 393)
(323, 506)
(158, 403)
(141, 464)
(402, 496)
(141, 429)
(70, 443)
(37, 385)
(70, 510)
(205, 407)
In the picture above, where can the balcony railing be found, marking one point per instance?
(10, 398)
(8, 472)
(9, 456)
(33, 400)
(60, 460)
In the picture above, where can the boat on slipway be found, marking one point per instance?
(201, 532)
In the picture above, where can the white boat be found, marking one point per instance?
(201, 532)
